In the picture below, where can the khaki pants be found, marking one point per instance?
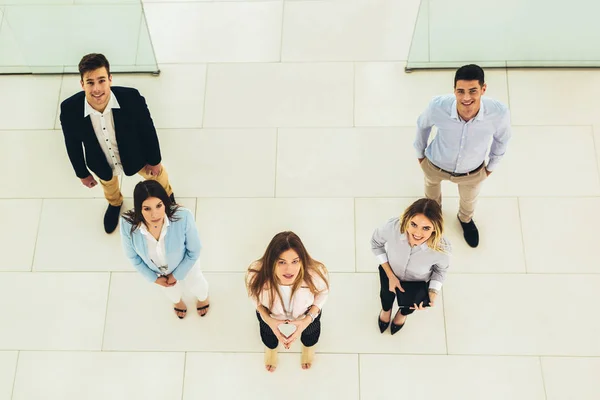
(112, 192)
(468, 187)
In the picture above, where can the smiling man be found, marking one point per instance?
(466, 124)
(109, 130)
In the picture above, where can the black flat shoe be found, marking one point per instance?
(382, 325)
(470, 232)
(111, 218)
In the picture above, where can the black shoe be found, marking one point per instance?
(470, 233)
(382, 325)
(172, 197)
(111, 218)
(395, 328)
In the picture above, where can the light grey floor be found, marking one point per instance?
(297, 115)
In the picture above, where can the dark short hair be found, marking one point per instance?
(91, 62)
(469, 72)
(142, 191)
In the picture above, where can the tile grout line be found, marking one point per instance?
(445, 327)
(205, 94)
(543, 379)
(56, 115)
(37, 235)
(106, 311)
(355, 255)
(522, 235)
(12, 391)
(508, 90)
(596, 150)
(359, 379)
(281, 33)
(183, 378)
(354, 94)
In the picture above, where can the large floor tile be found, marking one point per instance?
(99, 375)
(557, 244)
(325, 226)
(350, 321)
(571, 378)
(522, 315)
(59, 311)
(537, 97)
(217, 162)
(18, 242)
(387, 96)
(455, 377)
(8, 367)
(500, 248)
(137, 307)
(216, 31)
(208, 375)
(32, 101)
(547, 161)
(364, 30)
(39, 167)
(175, 98)
(71, 237)
(347, 162)
(279, 95)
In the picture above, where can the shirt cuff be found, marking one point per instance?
(382, 258)
(491, 165)
(437, 285)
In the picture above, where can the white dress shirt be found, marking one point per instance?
(104, 127)
(461, 146)
(156, 248)
(286, 296)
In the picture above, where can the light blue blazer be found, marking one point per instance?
(182, 245)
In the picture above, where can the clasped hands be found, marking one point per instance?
(166, 280)
(301, 325)
(395, 283)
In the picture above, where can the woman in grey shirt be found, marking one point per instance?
(413, 265)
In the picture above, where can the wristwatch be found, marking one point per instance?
(313, 316)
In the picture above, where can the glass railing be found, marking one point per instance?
(506, 33)
(51, 36)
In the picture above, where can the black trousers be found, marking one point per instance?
(415, 293)
(309, 337)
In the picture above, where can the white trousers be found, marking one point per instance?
(194, 284)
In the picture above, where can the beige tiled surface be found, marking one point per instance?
(298, 115)
(8, 367)
(571, 378)
(99, 375)
(455, 377)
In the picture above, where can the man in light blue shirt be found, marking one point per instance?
(466, 125)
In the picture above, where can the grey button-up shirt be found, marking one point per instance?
(420, 263)
(461, 146)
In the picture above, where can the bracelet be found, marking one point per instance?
(433, 291)
(312, 316)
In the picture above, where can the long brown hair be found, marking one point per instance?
(141, 192)
(433, 212)
(261, 273)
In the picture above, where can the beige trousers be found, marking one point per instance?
(468, 187)
(112, 192)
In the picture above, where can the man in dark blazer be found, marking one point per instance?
(109, 131)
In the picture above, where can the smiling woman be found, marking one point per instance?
(414, 263)
(289, 290)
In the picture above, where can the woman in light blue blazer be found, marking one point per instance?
(161, 241)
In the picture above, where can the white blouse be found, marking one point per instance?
(156, 248)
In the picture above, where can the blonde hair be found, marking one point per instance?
(433, 212)
(261, 273)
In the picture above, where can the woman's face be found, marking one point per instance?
(288, 267)
(153, 210)
(419, 229)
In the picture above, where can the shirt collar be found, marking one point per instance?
(478, 117)
(144, 230)
(112, 103)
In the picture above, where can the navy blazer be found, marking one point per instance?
(182, 245)
(134, 129)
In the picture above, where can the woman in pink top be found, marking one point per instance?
(288, 287)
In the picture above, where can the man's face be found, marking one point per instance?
(96, 85)
(468, 97)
